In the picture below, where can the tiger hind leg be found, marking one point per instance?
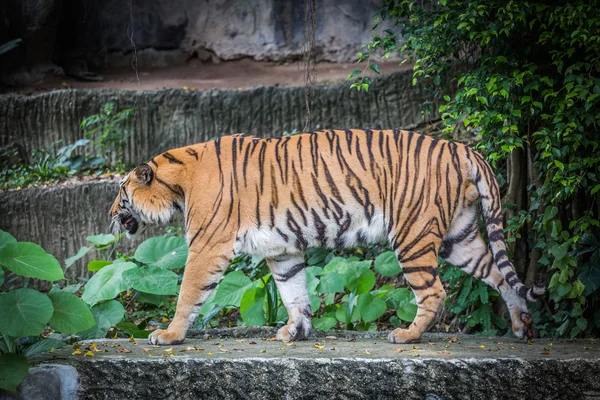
(421, 272)
(464, 248)
(290, 277)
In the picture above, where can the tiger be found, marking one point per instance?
(277, 197)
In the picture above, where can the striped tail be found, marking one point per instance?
(487, 186)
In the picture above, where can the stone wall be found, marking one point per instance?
(171, 118)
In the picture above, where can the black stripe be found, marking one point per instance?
(192, 153)
(171, 159)
(210, 286)
(290, 273)
(178, 190)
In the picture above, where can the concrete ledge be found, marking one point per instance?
(441, 367)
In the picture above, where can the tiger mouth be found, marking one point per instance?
(129, 224)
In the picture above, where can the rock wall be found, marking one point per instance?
(171, 118)
(104, 33)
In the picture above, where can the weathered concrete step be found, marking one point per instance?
(362, 367)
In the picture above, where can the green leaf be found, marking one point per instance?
(251, 306)
(24, 312)
(231, 289)
(559, 252)
(31, 261)
(1, 276)
(405, 303)
(341, 312)
(6, 238)
(101, 240)
(354, 73)
(581, 323)
(324, 323)
(315, 303)
(595, 189)
(331, 282)
(443, 2)
(361, 277)
(105, 314)
(386, 264)
(71, 314)
(163, 252)
(153, 280)
(97, 265)
(43, 346)
(375, 68)
(13, 369)
(82, 252)
(370, 307)
(106, 283)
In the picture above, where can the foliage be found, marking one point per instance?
(525, 76)
(342, 290)
(103, 132)
(107, 129)
(46, 166)
(25, 313)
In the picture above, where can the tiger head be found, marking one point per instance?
(143, 199)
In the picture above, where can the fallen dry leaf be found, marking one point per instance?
(76, 352)
(444, 352)
(89, 353)
(398, 350)
(318, 346)
(124, 350)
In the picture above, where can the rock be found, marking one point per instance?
(250, 367)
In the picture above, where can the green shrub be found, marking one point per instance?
(525, 77)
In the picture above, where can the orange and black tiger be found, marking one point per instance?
(277, 197)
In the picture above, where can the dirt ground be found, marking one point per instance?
(197, 75)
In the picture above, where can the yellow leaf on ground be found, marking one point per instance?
(89, 353)
(318, 346)
(76, 352)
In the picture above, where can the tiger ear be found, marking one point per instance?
(144, 174)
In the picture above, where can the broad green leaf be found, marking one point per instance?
(324, 323)
(370, 307)
(101, 240)
(1, 276)
(13, 369)
(375, 68)
(312, 280)
(24, 312)
(43, 346)
(361, 277)
(106, 315)
(251, 307)
(407, 308)
(106, 283)
(153, 280)
(163, 251)
(386, 264)
(331, 282)
(82, 252)
(132, 329)
(231, 289)
(31, 261)
(6, 239)
(315, 302)
(71, 314)
(97, 265)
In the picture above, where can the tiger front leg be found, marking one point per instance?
(290, 278)
(201, 276)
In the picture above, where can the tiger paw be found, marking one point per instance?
(165, 338)
(402, 336)
(293, 332)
